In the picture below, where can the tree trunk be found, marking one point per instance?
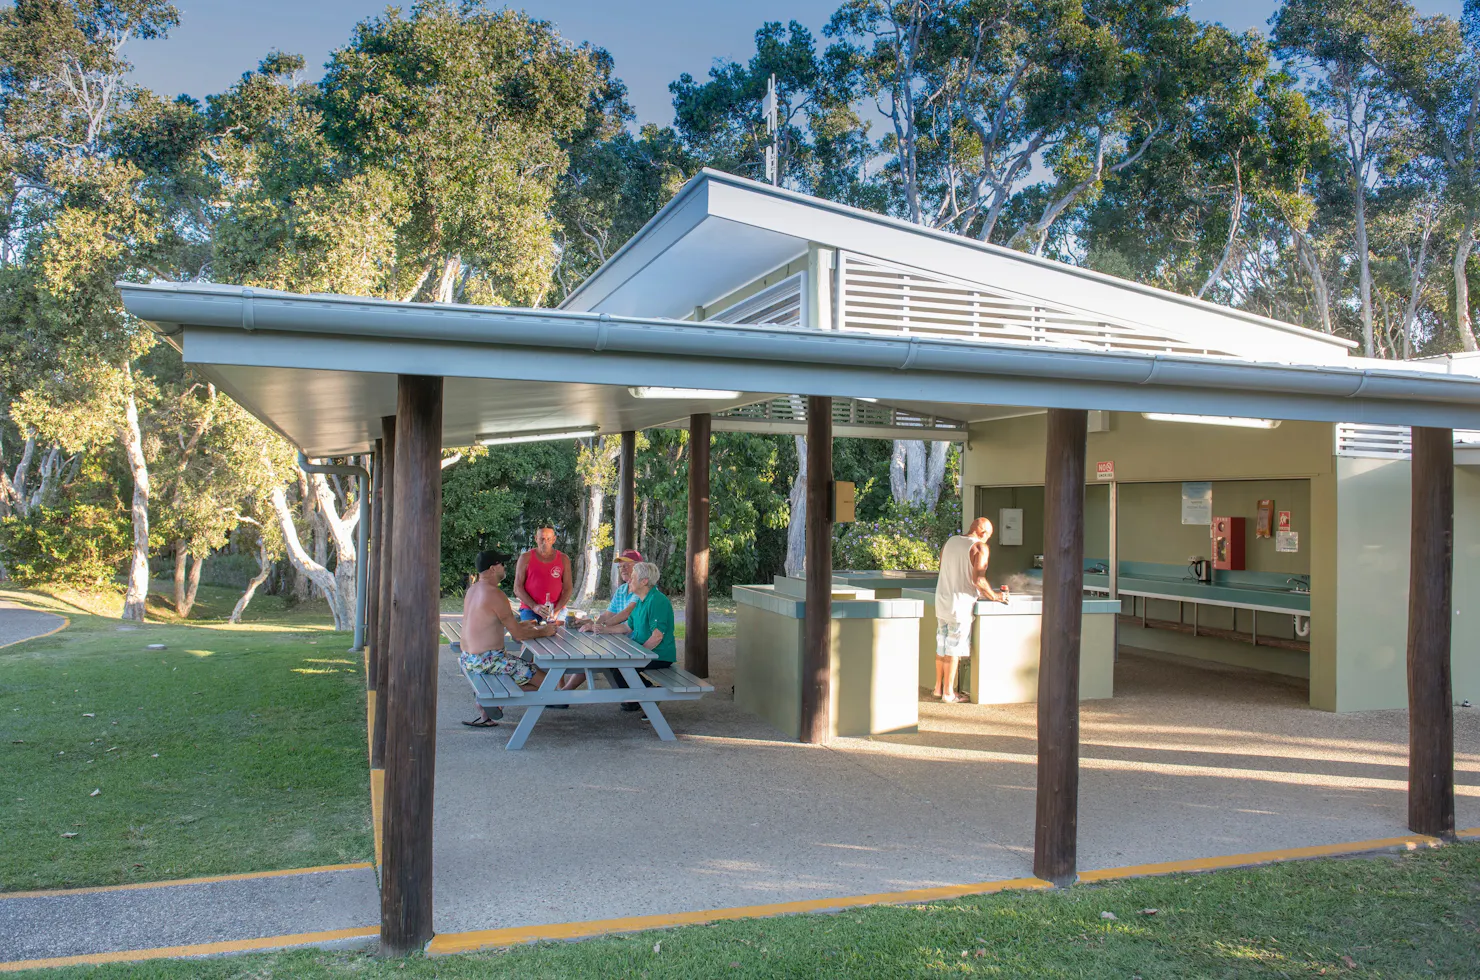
(796, 529)
(1462, 249)
(589, 572)
(1364, 262)
(914, 475)
(341, 531)
(935, 473)
(133, 445)
(181, 557)
(264, 568)
(13, 497)
(194, 585)
(305, 566)
(450, 267)
(898, 488)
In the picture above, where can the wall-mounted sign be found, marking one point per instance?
(1197, 503)
(1284, 522)
(1010, 525)
(1105, 471)
(1287, 541)
(1264, 520)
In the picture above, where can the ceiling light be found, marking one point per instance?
(679, 393)
(1213, 420)
(548, 436)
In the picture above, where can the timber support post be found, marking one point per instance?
(372, 580)
(1430, 588)
(411, 715)
(696, 578)
(386, 565)
(626, 529)
(817, 624)
(1055, 837)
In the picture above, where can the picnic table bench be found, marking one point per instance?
(604, 656)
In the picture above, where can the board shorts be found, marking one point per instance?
(498, 662)
(953, 640)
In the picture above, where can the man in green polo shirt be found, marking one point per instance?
(651, 620)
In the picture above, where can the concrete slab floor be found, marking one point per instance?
(597, 818)
(43, 926)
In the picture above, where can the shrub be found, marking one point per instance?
(900, 539)
(79, 544)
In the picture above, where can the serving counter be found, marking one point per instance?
(1003, 667)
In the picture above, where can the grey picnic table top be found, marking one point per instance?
(608, 654)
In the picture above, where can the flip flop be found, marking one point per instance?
(482, 723)
(954, 699)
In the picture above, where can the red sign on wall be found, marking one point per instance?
(1105, 471)
(1284, 521)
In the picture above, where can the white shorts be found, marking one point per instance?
(952, 640)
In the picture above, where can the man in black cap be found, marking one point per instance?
(488, 621)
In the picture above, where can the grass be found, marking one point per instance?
(1408, 915)
(235, 749)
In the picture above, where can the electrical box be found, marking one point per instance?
(844, 502)
(1228, 543)
(1010, 526)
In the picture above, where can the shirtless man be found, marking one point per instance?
(488, 621)
(962, 580)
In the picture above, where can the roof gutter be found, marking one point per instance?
(168, 305)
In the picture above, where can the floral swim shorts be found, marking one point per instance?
(497, 662)
(952, 640)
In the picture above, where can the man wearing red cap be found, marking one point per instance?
(614, 620)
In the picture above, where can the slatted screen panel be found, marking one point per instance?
(1374, 441)
(884, 296)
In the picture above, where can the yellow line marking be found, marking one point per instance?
(377, 809)
(465, 942)
(199, 949)
(1258, 857)
(65, 623)
(1471, 832)
(188, 881)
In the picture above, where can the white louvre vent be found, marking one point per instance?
(779, 304)
(845, 411)
(883, 296)
(1374, 441)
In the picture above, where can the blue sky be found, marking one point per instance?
(652, 41)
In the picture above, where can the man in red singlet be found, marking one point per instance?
(542, 581)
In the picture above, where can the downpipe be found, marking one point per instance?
(362, 534)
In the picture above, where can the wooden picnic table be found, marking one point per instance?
(598, 656)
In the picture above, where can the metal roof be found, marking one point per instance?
(322, 369)
(721, 232)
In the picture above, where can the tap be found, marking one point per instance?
(1301, 583)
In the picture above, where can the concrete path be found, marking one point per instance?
(77, 923)
(596, 818)
(18, 623)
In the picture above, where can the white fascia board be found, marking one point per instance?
(460, 341)
(1054, 283)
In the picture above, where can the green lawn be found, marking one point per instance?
(1414, 915)
(236, 748)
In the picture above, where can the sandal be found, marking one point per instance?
(482, 723)
(954, 698)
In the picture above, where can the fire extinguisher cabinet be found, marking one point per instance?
(1228, 543)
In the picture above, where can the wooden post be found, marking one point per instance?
(817, 625)
(626, 529)
(385, 575)
(696, 580)
(1055, 836)
(372, 579)
(1430, 585)
(411, 716)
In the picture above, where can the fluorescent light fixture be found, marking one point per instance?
(681, 393)
(1213, 420)
(549, 436)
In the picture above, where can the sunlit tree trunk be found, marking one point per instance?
(137, 592)
(796, 528)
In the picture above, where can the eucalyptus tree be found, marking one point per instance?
(1433, 64)
(466, 110)
(1339, 45)
(78, 216)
